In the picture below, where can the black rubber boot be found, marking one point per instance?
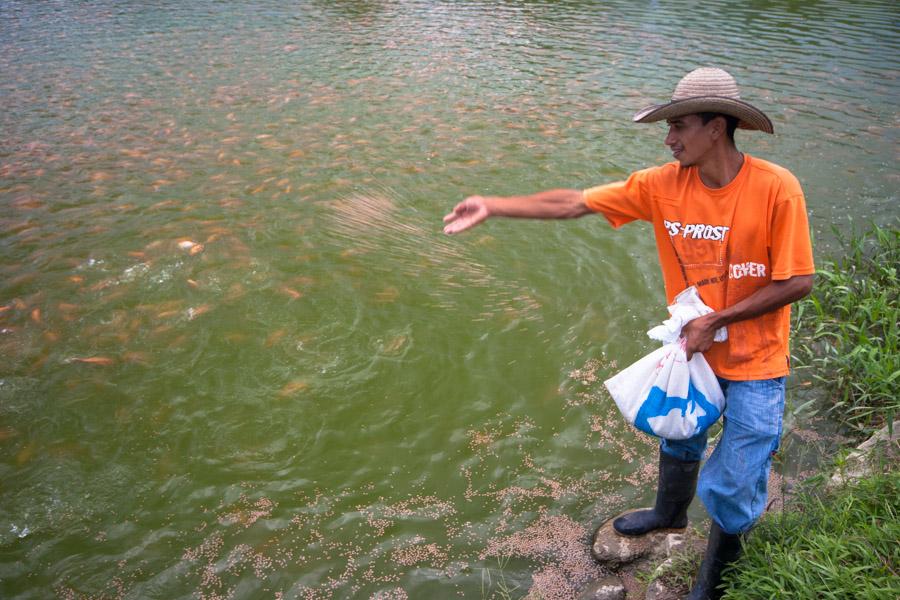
(677, 483)
(722, 549)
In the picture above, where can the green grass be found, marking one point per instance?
(840, 545)
(846, 331)
(494, 584)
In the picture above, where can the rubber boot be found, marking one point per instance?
(675, 490)
(722, 549)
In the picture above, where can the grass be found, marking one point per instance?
(840, 545)
(846, 331)
(496, 586)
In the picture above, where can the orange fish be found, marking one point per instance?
(193, 313)
(292, 292)
(274, 337)
(104, 361)
(292, 388)
(26, 453)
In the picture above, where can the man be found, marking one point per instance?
(735, 227)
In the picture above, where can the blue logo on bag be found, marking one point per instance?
(658, 405)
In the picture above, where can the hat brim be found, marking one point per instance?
(750, 117)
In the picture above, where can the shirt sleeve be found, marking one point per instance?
(621, 202)
(791, 247)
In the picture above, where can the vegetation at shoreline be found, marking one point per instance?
(847, 331)
(839, 545)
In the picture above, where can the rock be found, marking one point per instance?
(859, 463)
(660, 588)
(614, 550)
(608, 588)
(674, 542)
(657, 590)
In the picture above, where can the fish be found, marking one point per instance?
(186, 244)
(273, 337)
(293, 388)
(104, 361)
(27, 453)
(194, 312)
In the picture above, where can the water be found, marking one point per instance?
(239, 357)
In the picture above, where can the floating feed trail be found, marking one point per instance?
(382, 229)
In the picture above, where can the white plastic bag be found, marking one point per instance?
(687, 306)
(664, 394)
(668, 396)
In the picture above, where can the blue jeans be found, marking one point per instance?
(734, 481)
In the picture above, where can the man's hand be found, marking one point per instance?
(699, 333)
(551, 204)
(468, 213)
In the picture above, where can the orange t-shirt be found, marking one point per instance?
(729, 242)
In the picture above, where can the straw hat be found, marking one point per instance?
(707, 89)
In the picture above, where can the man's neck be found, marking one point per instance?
(721, 167)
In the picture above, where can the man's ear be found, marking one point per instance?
(718, 127)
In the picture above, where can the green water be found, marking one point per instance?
(239, 359)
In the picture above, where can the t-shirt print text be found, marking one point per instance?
(697, 231)
(746, 269)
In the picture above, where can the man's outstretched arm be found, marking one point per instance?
(552, 204)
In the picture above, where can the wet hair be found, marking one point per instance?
(731, 122)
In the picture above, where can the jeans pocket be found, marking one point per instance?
(756, 405)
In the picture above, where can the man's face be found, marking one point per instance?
(689, 139)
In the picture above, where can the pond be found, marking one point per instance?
(239, 357)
